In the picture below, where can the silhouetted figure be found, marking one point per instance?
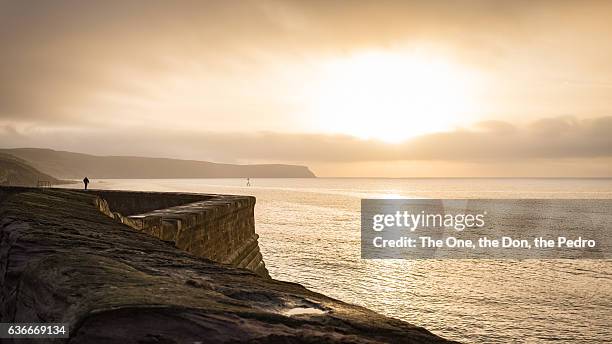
(85, 181)
(248, 181)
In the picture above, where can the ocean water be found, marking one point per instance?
(310, 229)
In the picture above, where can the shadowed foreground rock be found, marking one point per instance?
(61, 260)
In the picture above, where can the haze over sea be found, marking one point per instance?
(309, 234)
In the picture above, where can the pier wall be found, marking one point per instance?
(216, 227)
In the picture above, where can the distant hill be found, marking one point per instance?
(76, 166)
(14, 171)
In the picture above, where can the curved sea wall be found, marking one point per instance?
(63, 260)
(216, 227)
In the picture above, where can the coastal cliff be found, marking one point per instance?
(15, 171)
(66, 256)
(72, 165)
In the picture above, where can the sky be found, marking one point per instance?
(348, 88)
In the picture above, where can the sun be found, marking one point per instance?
(392, 96)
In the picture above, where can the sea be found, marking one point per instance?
(310, 234)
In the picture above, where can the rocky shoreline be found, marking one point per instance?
(63, 260)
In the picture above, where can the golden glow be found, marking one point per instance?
(392, 96)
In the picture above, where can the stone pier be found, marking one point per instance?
(115, 268)
(217, 227)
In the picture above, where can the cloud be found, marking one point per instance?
(561, 137)
(201, 79)
(59, 56)
(550, 138)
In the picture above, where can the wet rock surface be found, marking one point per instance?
(62, 260)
